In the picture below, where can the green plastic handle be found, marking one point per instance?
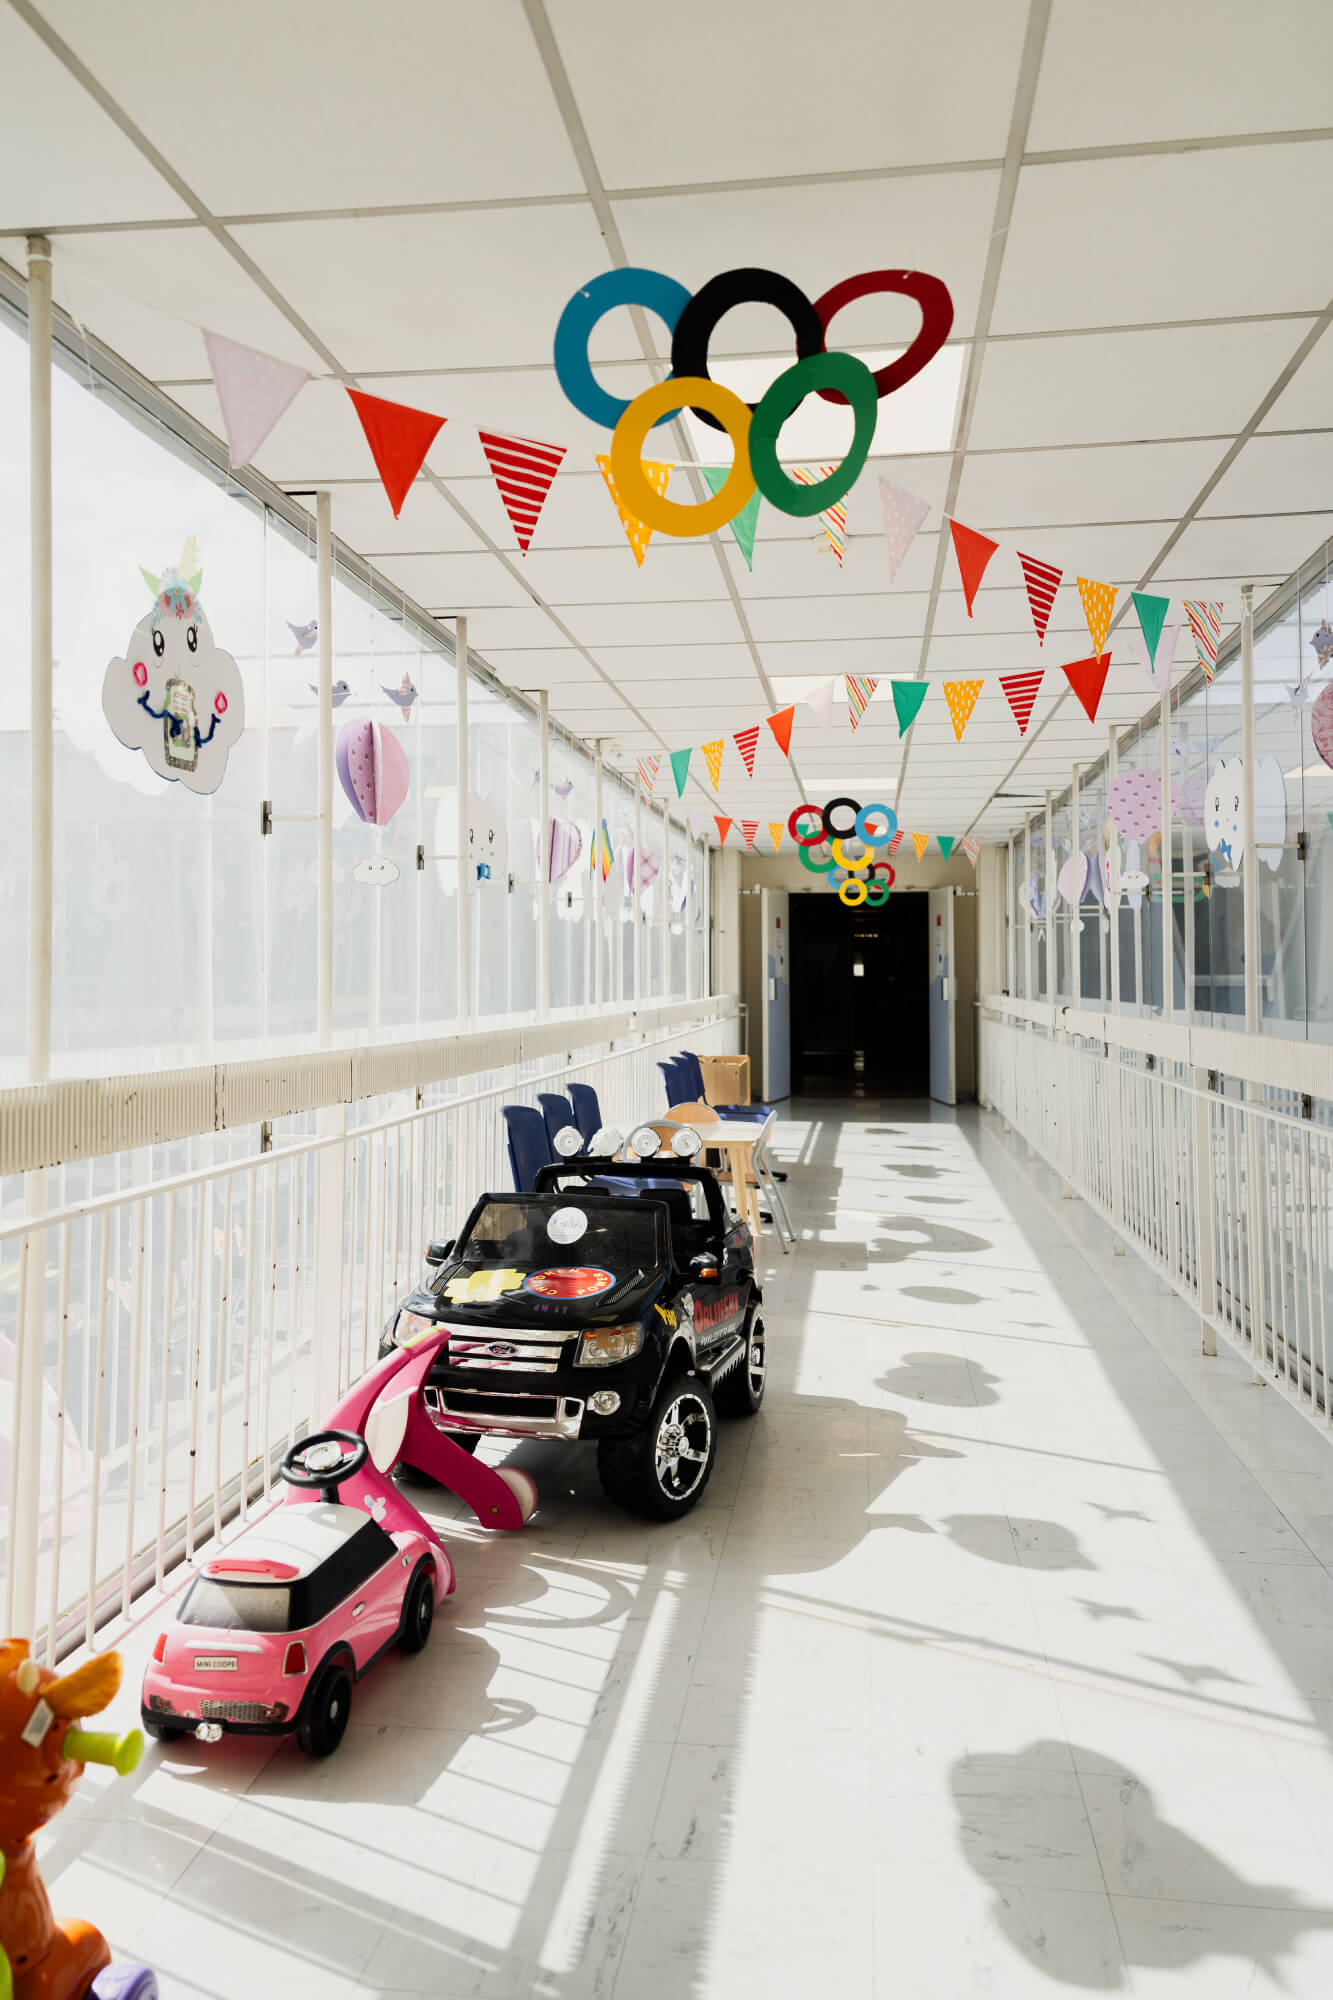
(97, 1746)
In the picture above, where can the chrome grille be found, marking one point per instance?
(530, 1349)
(242, 1711)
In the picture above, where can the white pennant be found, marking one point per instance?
(820, 703)
(254, 390)
(903, 514)
(1158, 672)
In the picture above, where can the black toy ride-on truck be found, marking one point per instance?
(616, 1305)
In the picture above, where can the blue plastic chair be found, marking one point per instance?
(529, 1147)
(557, 1112)
(587, 1111)
(693, 1069)
(679, 1083)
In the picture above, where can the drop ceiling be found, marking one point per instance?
(1128, 204)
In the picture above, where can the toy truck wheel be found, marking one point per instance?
(418, 1614)
(741, 1390)
(164, 1732)
(325, 1722)
(662, 1472)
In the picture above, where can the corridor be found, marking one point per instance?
(996, 1661)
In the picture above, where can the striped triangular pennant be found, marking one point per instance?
(775, 833)
(1020, 691)
(971, 847)
(523, 470)
(1042, 580)
(962, 699)
(834, 518)
(648, 770)
(1206, 625)
(920, 841)
(657, 476)
(713, 759)
(896, 840)
(860, 689)
(747, 742)
(1098, 604)
(749, 827)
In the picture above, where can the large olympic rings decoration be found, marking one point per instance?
(753, 428)
(857, 872)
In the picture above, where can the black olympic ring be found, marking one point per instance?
(749, 286)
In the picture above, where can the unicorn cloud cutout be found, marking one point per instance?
(176, 695)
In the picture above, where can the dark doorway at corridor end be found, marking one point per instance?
(860, 997)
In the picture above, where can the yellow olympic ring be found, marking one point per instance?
(637, 496)
(852, 902)
(840, 859)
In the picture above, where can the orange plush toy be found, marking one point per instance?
(42, 1757)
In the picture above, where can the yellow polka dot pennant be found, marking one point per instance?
(713, 759)
(962, 699)
(657, 476)
(775, 833)
(1098, 604)
(920, 841)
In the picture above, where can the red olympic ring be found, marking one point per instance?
(806, 839)
(931, 294)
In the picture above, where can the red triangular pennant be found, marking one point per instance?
(781, 724)
(749, 827)
(523, 471)
(973, 551)
(723, 828)
(1020, 691)
(1043, 580)
(747, 742)
(1088, 678)
(399, 438)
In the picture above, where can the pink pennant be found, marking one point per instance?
(254, 390)
(819, 701)
(903, 514)
(1158, 670)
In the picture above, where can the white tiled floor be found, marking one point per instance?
(996, 1660)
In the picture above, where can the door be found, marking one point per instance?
(943, 995)
(776, 920)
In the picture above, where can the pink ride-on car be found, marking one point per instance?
(275, 1628)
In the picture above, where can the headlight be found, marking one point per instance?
(410, 1327)
(608, 1345)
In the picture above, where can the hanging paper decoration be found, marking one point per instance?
(641, 869)
(254, 390)
(1322, 641)
(920, 841)
(523, 470)
(1098, 604)
(372, 769)
(946, 841)
(176, 695)
(723, 826)
(698, 825)
(1321, 725)
(1042, 580)
(404, 694)
(648, 770)
(819, 701)
(713, 759)
(488, 842)
(1206, 625)
(1222, 824)
(1073, 878)
(971, 847)
(1152, 616)
(1020, 691)
(564, 844)
(607, 853)
(780, 724)
(775, 828)
(907, 699)
(747, 742)
(304, 635)
(742, 525)
(399, 438)
(680, 766)
(904, 513)
(1158, 666)
(973, 551)
(749, 827)
(860, 690)
(962, 699)
(896, 840)
(1134, 803)
(1087, 678)
(834, 518)
(657, 476)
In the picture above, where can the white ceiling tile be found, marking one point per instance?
(1005, 491)
(423, 103)
(445, 583)
(663, 666)
(679, 570)
(1126, 241)
(363, 518)
(1273, 475)
(775, 88)
(1240, 548)
(669, 624)
(1307, 399)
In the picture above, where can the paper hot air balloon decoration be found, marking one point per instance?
(372, 769)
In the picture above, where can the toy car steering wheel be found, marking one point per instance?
(330, 1468)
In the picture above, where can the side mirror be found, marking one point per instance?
(568, 1141)
(704, 1268)
(438, 1253)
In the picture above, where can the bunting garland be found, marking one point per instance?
(399, 438)
(648, 770)
(657, 476)
(775, 830)
(962, 699)
(973, 552)
(1042, 580)
(834, 517)
(713, 759)
(680, 768)
(780, 724)
(523, 470)
(1158, 667)
(1152, 616)
(1098, 604)
(920, 841)
(904, 513)
(1087, 678)
(749, 827)
(896, 840)
(971, 847)
(1206, 626)
(723, 828)
(1020, 691)
(747, 742)
(820, 702)
(742, 525)
(860, 689)
(907, 699)
(946, 841)
(254, 390)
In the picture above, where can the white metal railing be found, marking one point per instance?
(185, 1329)
(1209, 1152)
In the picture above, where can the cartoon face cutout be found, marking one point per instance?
(176, 695)
(488, 844)
(1222, 815)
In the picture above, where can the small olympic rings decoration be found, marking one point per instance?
(691, 320)
(860, 877)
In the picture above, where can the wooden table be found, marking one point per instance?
(736, 1139)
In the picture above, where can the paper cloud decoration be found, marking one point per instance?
(176, 695)
(1221, 813)
(372, 769)
(377, 869)
(487, 840)
(1134, 802)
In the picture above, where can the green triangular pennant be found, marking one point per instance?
(680, 770)
(946, 841)
(742, 525)
(1152, 616)
(907, 699)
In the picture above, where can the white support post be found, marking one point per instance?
(1249, 870)
(1113, 871)
(1050, 873)
(326, 1324)
(689, 915)
(1076, 922)
(324, 608)
(24, 1534)
(1010, 928)
(464, 911)
(1025, 904)
(664, 881)
(544, 853)
(598, 886)
(1113, 1047)
(1168, 922)
(636, 903)
(1187, 889)
(1205, 1251)
(706, 862)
